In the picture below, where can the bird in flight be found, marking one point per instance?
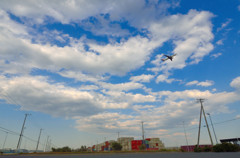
(169, 57)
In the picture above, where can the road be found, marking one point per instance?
(133, 155)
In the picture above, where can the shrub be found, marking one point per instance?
(197, 149)
(226, 147)
(63, 149)
(142, 147)
(116, 146)
(207, 149)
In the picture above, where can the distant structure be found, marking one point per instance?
(231, 140)
(129, 144)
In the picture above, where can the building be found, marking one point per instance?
(231, 140)
(126, 143)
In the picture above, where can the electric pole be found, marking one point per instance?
(199, 129)
(39, 139)
(213, 127)
(5, 140)
(202, 111)
(185, 136)
(21, 134)
(46, 144)
(142, 133)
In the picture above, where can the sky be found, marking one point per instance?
(88, 69)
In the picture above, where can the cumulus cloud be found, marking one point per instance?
(91, 63)
(191, 35)
(192, 41)
(164, 78)
(206, 83)
(39, 94)
(235, 83)
(174, 106)
(142, 78)
(68, 11)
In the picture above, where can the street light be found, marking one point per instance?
(212, 127)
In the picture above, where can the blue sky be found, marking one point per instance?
(86, 70)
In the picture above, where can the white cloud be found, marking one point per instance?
(24, 55)
(164, 78)
(40, 94)
(91, 104)
(219, 42)
(68, 11)
(216, 55)
(174, 106)
(224, 25)
(142, 78)
(192, 83)
(235, 83)
(113, 58)
(121, 86)
(79, 76)
(206, 83)
(191, 35)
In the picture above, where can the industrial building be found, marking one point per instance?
(129, 144)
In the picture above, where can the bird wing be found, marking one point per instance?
(165, 59)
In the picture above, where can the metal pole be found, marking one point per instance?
(143, 133)
(39, 139)
(213, 127)
(207, 125)
(20, 137)
(46, 144)
(5, 140)
(199, 129)
(185, 136)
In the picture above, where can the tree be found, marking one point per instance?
(63, 149)
(116, 146)
(142, 147)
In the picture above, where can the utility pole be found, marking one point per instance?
(5, 140)
(185, 136)
(118, 134)
(39, 139)
(207, 126)
(142, 133)
(213, 127)
(199, 129)
(202, 111)
(21, 134)
(46, 144)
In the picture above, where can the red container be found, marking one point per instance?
(135, 144)
(191, 147)
(149, 139)
(102, 148)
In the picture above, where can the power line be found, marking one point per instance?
(9, 131)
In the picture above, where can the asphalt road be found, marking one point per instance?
(133, 155)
